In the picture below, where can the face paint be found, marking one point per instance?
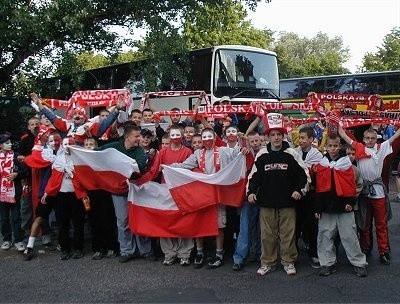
(67, 142)
(7, 145)
(51, 142)
(175, 136)
(231, 134)
(208, 139)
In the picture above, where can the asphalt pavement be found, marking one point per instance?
(47, 279)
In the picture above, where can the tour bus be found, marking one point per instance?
(243, 73)
(386, 84)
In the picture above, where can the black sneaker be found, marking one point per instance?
(65, 255)
(78, 254)
(237, 266)
(360, 271)
(314, 262)
(327, 270)
(216, 262)
(28, 254)
(124, 258)
(198, 261)
(149, 257)
(385, 258)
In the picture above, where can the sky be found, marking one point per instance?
(362, 24)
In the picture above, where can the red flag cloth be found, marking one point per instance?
(343, 174)
(153, 212)
(108, 169)
(193, 191)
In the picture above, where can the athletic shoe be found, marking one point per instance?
(184, 262)
(28, 254)
(97, 255)
(290, 269)
(385, 258)
(263, 270)
(65, 255)
(124, 258)
(6, 245)
(111, 254)
(169, 261)
(198, 261)
(360, 271)
(314, 262)
(46, 240)
(78, 254)
(149, 257)
(216, 262)
(20, 246)
(237, 266)
(327, 270)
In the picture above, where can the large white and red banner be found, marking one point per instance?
(193, 190)
(108, 169)
(153, 212)
(100, 98)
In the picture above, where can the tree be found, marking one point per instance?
(299, 57)
(33, 30)
(387, 57)
(222, 23)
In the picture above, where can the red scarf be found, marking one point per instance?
(7, 189)
(202, 164)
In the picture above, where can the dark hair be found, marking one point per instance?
(333, 136)
(128, 129)
(309, 131)
(147, 110)
(252, 133)
(135, 111)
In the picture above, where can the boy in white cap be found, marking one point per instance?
(278, 179)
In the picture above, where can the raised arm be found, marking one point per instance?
(342, 134)
(394, 137)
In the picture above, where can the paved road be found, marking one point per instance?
(47, 279)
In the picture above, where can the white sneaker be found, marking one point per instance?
(6, 245)
(290, 269)
(263, 270)
(20, 246)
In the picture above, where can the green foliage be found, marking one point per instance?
(299, 57)
(387, 58)
(222, 23)
(47, 29)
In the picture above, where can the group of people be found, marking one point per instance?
(294, 191)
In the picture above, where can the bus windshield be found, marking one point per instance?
(245, 74)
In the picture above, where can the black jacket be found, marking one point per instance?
(276, 175)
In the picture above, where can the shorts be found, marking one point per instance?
(221, 211)
(44, 210)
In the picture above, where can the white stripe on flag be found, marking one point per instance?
(105, 160)
(151, 195)
(231, 174)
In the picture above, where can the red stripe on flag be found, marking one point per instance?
(197, 195)
(110, 181)
(172, 223)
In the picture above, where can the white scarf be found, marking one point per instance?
(7, 188)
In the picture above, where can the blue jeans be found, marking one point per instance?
(11, 212)
(129, 243)
(249, 234)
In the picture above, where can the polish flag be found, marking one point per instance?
(108, 169)
(153, 212)
(193, 191)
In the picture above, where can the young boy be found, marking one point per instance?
(176, 152)
(336, 192)
(277, 181)
(188, 133)
(12, 172)
(209, 160)
(165, 141)
(103, 223)
(249, 232)
(306, 223)
(197, 143)
(370, 158)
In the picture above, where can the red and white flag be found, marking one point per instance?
(108, 169)
(193, 191)
(153, 212)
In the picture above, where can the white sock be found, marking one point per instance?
(31, 242)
